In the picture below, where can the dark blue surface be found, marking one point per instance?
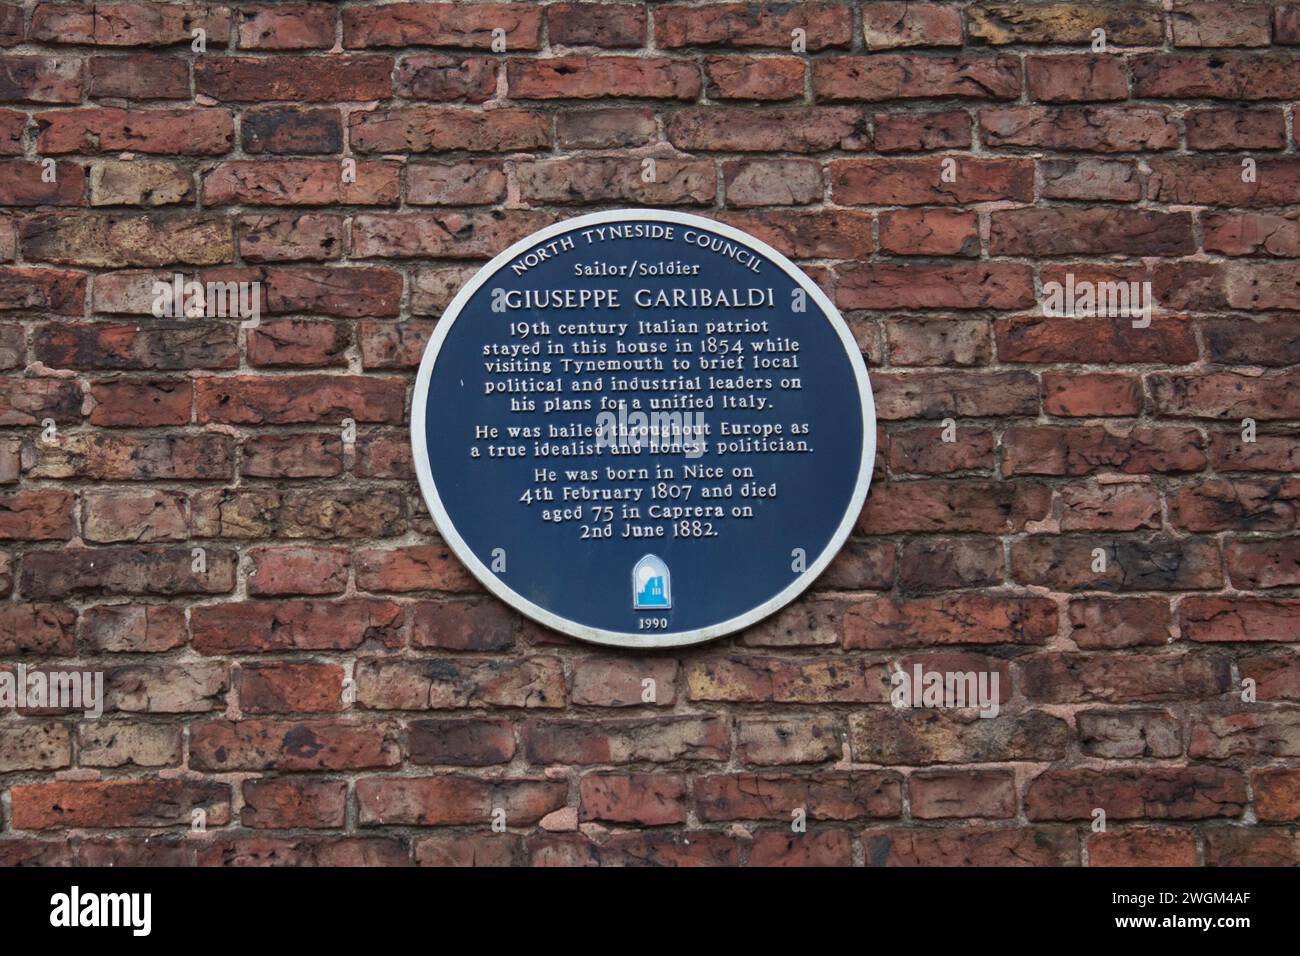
(589, 582)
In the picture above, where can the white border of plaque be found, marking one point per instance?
(620, 638)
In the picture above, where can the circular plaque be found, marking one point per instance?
(643, 428)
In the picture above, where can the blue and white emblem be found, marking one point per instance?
(652, 585)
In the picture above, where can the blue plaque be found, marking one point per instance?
(643, 428)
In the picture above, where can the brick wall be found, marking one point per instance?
(329, 686)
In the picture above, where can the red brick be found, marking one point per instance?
(1076, 79)
(879, 623)
(827, 796)
(783, 681)
(936, 795)
(1091, 394)
(442, 24)
(1081, 450)
(743, 25)
(941, 341)
(633, 740)
(605, 128)
(1229, 76)
(298, 570)
(258, 400)
(964, 505)
(118, 803)
(604, 25)
(442, 235)
(820, 848)
(110, 240)
(434, 129)
(1132, 564)
(1100, 230)
(135, 628)
(970, 846)
(128, 24)
(1142, 846)
(1063, 23)
(258, 626)
(1238, 505)
(1233, 129)
(796, 129)
(297, 79)
(23, 183)
(754, 78)
(1071, 678)
(132, 515)
(299, 182)
(293, 804)
(918, 132)
(914, 182)
(1218, 182)
(937, 564)
(169, 132)
(460, 742)
(888, 76)
(584, 77)
(773, 742)
(1099, 340)
(1277, 794)
(290, 26)
(1238, 619)
(40, 79)
(640, 799)
(293, 745)
(1109, 507)
(597, 180)
(621, 682)
(456, 800)
(1098, 129)
(290, 688)
(1128, 734)
(1165, 793)
(141, 76)
(907, 736)
(1213, 25)
(279, 129)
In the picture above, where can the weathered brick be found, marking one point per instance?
(635, 740)
(293, 745)
(293, 804)
(456, 800)
(850, 795)
(970, 846)
(185, 132)
(584, 77)
(244, 79)
(882, 622)
(888, 735)
(118, 803)
(290, 688)
(1163, 793)
(744, 25)
(440, 684)
(442, 24)
(258, 626)
(457, 742)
